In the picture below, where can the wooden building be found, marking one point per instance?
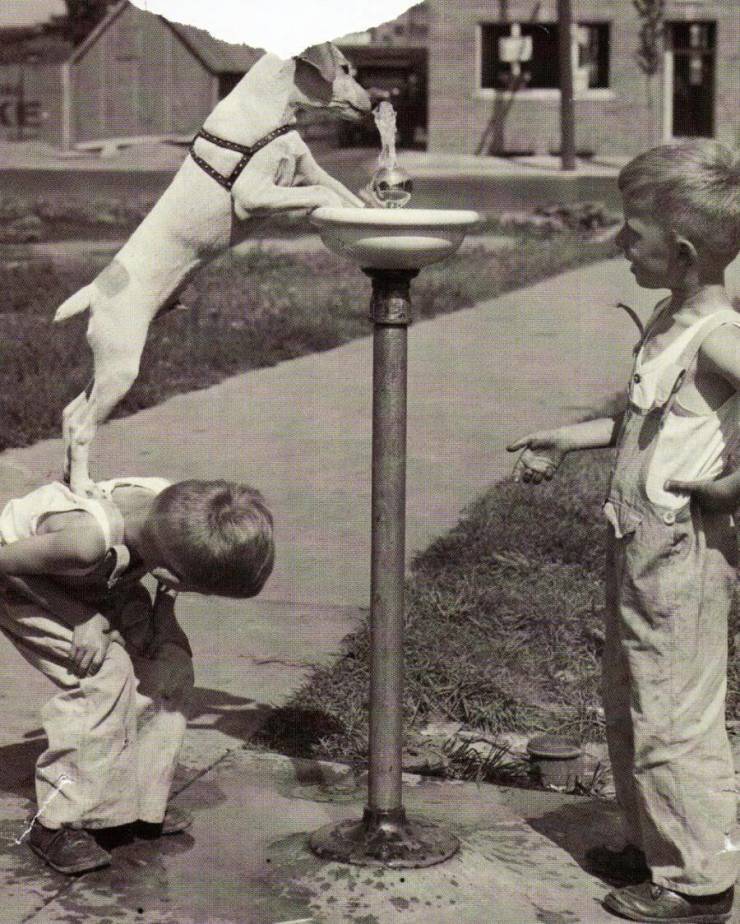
(480, 103)
(138, 74)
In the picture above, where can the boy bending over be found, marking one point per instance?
(671, 559)
(121, 661)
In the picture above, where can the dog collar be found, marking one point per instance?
(247, 153)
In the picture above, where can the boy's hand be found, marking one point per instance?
(543, 453)
(719, 496)
(90, 642)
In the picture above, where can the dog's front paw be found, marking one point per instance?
(328, 197)
(369, 198)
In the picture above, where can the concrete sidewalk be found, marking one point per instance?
(167, 157)
(301, 432)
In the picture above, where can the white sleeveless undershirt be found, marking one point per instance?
(689, 446)
(21, 517)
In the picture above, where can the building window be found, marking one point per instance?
(541, 72)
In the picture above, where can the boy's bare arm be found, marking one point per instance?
(52, 553)
(23, 565)
(544, 450)
(720, 355)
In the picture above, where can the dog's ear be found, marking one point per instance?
(324, 58)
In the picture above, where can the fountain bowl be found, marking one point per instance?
(393, 238)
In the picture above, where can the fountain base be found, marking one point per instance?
(384, 838)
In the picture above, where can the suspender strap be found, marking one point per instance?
(636, 318)
(720, 318)
(119, 551)
(246, 153)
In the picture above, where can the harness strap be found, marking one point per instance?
(247, 153)
(725, 316)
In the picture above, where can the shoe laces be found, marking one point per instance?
(76, 837)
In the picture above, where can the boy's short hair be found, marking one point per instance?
(219, 532)
(693, 188)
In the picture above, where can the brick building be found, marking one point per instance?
(479, 104)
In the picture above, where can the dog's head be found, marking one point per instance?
(323, 80)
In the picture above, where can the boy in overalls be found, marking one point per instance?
(122, 663)
(671, 559)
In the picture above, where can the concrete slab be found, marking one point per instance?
(245, 859)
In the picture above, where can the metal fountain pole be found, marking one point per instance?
(390, 311)
(385, 836)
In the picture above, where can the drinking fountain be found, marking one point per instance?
(390, 245)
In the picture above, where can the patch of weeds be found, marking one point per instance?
(488, 764)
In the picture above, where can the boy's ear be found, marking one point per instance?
(685, 249)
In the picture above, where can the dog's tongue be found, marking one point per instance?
(284, 27)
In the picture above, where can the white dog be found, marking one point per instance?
(246, 161)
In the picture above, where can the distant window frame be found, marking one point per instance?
(542, 79)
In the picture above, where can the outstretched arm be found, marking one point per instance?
(544, 450)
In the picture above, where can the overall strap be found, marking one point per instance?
(118, 550)
(718, 319)
(647, 328)
(247, 153)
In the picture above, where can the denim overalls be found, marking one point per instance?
(670, 581)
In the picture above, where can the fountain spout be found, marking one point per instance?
(391, 184)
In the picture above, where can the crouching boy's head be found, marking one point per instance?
(682, 210)
(211, 537)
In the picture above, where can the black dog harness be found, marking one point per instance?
(246, 154)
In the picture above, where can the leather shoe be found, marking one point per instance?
(67, 850)
(625, 865)
(175, 821)
(649, 902)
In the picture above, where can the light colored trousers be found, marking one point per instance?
(113, 737)
(669, 591)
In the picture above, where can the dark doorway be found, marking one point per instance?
(399, 75)
(694, 51)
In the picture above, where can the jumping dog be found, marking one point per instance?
(247, 161)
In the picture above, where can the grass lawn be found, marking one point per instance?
(248, 311)
(515, 591)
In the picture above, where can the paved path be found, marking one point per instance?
(301, 430)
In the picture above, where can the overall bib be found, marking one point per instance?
(670, 582)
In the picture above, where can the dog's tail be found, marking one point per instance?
(75, 304)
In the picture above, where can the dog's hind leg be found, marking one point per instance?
(116, 336)
(73, 460)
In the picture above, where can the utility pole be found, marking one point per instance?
(567, 105)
